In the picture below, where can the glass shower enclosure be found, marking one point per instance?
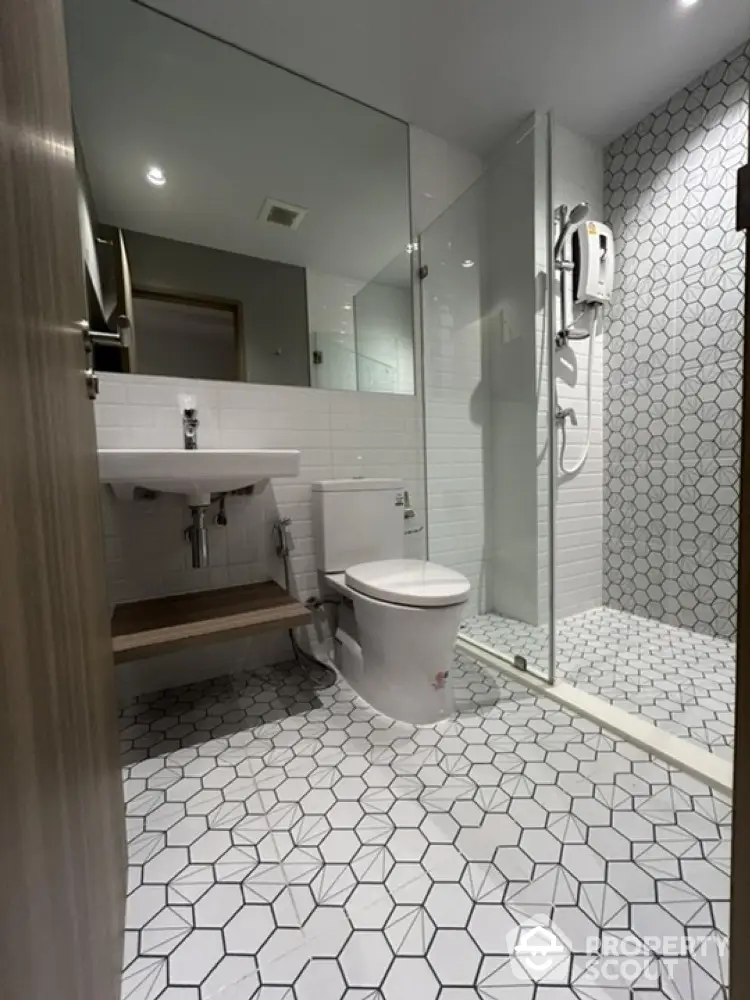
(489, 411)
(588, 484)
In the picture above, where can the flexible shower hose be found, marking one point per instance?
(582, 460)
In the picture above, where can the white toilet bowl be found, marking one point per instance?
(396, 634)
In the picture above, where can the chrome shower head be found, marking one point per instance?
(579, 213)
(576, 215)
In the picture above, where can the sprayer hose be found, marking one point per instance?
(589, 395)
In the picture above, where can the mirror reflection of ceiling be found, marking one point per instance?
(470, 70)
(230, 131)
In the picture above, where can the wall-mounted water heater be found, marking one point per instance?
(593, 270)
(593, 262)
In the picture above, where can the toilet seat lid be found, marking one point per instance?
(412, 582)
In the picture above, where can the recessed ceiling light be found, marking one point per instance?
(688, 3)
(467, 263)
(347, 307)
(156, 176)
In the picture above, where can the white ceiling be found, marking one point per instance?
(468, 70)
(229, 131)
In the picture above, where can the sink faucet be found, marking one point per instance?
(190, 425)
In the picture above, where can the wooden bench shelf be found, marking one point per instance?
(145, 628)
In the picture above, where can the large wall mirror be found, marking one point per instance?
(238, 222)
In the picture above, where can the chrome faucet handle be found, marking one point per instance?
(561, 415)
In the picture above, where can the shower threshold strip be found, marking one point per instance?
(681, 753)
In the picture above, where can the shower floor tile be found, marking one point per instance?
(293, 844)
(679, 680)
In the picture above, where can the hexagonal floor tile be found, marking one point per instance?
(249, 929)
(365, 959)
(412, 889)
(455, 957)
(409, 978)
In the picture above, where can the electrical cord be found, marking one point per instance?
(322, 675)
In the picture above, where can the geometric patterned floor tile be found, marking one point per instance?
(287, 843)
(678, 680)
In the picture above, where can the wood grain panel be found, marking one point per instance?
(163, 624)
(740, 898)
(61, 812)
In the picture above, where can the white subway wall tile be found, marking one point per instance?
(339, 435)
(579, 524)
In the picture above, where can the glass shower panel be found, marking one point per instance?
(487, 399)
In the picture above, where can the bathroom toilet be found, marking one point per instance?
(398, 618)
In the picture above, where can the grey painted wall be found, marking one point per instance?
(673, 356)
(273, 297)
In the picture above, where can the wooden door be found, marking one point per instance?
(62, 858)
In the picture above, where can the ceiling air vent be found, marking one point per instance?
(281, 213)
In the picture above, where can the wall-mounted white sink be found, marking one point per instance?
(196, 474)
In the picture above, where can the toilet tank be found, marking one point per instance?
(356, 521)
